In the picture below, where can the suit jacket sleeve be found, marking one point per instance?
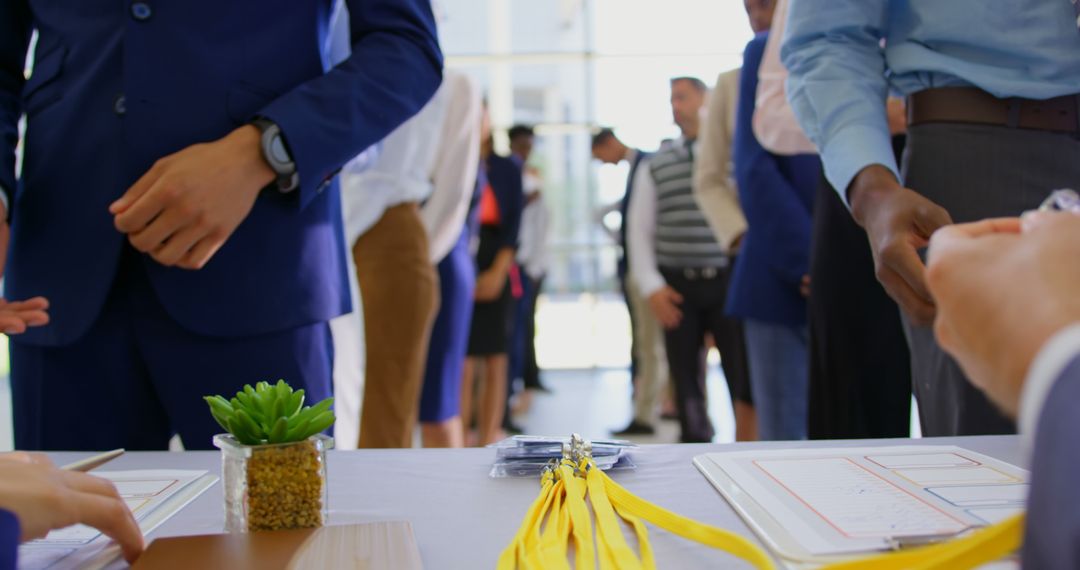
(506, 181)
(15, 28)
(394, 69)
(768, 198)
(713, 187)
(9, 540)
(1052, 539)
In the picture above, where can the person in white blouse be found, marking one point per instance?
(395, 242)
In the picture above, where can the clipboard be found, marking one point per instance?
(780, 538)
(765, 526)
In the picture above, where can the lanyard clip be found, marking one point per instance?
(902, 542)
(1061, 201)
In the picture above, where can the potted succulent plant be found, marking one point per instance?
(273, 458)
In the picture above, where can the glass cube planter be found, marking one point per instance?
(274, 486)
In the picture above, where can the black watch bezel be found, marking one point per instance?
(276, 153)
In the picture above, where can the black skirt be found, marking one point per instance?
(489, 333)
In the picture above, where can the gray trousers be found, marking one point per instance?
(976, 172)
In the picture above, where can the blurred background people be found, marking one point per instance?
(450, 218)
(648, 359)
(533, 260)
(678, 264)
(769, 287)
(489, 334)
(859, 370)
(714, 186)
(398, 284)
(988, 136)
(531, 266)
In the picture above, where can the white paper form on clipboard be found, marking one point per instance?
(152, 495)
(821, 505)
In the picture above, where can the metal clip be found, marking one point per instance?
(1061, 201)
(902, 542)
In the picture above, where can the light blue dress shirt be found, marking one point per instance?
(841, 70)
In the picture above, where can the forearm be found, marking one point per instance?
(394, 69)
(865, 192)
(837, 85)
(503, 260)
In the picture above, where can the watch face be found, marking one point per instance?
(278, 152)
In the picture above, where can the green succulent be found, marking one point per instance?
(270, 413)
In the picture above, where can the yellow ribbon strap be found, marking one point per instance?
(982, 546)
(615, 553)
(580, 521)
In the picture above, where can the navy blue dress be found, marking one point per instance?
(440, 397)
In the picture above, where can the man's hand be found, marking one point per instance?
(898, 221)
(489, 285)
(45, 498)
(665, 306)
(804, 287)
(17, 316)
(1002, 294)
(185, 207)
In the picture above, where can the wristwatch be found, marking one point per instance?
(277, 155)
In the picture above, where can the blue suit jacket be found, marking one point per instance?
(1052, 539)
(9, 540)
(777, 195)
(191, 72)
(506, 182)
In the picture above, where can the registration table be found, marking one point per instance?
(463, 519)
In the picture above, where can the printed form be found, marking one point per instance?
(152, 495)
(824, 502)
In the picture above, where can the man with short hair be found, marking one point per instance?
(532, 260)
(648, 361)
(678, 264)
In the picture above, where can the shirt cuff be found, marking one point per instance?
(1045, 370)
(4, 201)
(650, 283)
(854, 149)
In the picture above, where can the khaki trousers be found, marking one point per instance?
(652, 380)
(400, 294)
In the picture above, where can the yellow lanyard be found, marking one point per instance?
(562, 505)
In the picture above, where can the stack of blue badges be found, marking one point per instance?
(528, 455)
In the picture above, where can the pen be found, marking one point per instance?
(902, 542)
(93, 462)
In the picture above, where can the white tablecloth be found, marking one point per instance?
(463, 519)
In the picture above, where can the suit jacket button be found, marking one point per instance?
(120, 105)
(141, 11)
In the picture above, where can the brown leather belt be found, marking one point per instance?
(972, 105)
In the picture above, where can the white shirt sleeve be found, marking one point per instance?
(1048, 365)
(641, 233)
(454, 173)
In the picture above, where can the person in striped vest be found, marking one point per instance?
(679, 266)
